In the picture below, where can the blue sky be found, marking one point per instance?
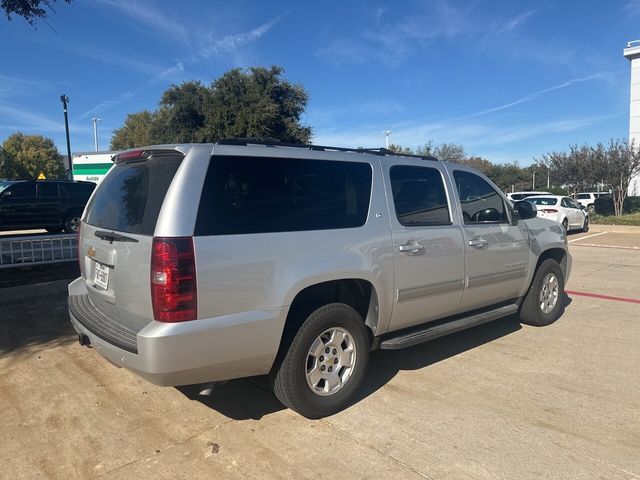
(510, 80)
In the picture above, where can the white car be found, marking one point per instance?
(564, 210)
(588, 199)
(514, 196)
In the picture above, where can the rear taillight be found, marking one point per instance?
(173, 279)
(549, 210)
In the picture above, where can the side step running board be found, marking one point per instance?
(431, 333)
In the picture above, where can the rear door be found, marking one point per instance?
(48, 203)
(117, 234)
(428, 246)
(497, 252)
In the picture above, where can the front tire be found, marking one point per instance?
(542, 304)
(72, 223)
(326, 362)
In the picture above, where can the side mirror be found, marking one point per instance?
(525, 210)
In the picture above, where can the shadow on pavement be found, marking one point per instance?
(35, 321)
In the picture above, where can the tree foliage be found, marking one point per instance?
(256, 102)
(26, 156)
(30, 10)
(136, 131)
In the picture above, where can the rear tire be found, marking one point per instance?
(585, 225)
(565, 224)
(542, 304)
(326, 362)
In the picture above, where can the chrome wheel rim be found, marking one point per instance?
(74, 223)
(549, 293)
(330, 361)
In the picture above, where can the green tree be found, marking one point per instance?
(256, 103)
(26, 156)
(30, 10)
(136, 131)
(181, 116)
(400, 149)
(620, 162)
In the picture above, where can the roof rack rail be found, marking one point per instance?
(272, 142)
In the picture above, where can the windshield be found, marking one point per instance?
(543, 201)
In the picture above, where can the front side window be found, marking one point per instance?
(22, 190)
(244, 195)
(419, 196)
(480, 202)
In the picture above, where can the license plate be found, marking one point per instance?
(101, 278)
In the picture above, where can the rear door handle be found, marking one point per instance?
(478, 242)
(411, 247)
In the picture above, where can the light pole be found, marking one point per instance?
(65, 100)
(386, 134)
(533, 183)
(95, 131)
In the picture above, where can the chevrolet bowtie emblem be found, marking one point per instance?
(91, 252)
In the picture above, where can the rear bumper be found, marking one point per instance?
(205, 350)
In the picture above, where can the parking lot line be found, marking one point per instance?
(602, 297)
(604, 246)
(588, 236)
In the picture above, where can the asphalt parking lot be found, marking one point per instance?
(498, 401)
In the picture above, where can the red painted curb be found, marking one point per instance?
(603, 297)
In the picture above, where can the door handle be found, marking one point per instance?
(478, 242)
(411, 247)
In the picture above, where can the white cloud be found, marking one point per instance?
(166, 75)
(149, 14)
(231, 43)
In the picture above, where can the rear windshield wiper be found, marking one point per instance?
(113, 237)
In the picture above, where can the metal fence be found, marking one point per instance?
(37, 250)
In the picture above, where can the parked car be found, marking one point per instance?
(54, 205)
(522, 195)
(202, 263)
(564, 210)
(588, 199)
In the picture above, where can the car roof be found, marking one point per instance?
(533, 197)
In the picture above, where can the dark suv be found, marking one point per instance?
(55, 205)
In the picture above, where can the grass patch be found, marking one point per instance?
(628, 219)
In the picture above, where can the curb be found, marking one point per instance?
(24, 292)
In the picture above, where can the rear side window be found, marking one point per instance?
(256, 195)
(419, 196)
(130, 196)
(479, 200)
(47, 190)
(583, 196)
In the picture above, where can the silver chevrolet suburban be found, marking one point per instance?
(203, 263)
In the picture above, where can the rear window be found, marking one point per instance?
(583, 196)
(256, 195)
(543, 201)
(130, 196)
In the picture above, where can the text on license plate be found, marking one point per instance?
(101, 278)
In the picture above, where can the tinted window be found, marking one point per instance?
(80, 189)
(543, 201)
(583, 196)
(565, 202)
(22, 190)
(419, 196)
(47, 190)
(517, 196)
(130, 196)
(256, 195)
(480, 202)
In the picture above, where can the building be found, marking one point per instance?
(632, 52)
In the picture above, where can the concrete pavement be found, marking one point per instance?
(499, 401)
